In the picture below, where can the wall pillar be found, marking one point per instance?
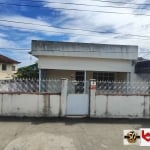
(63, 99)
(40, 80)
(92, 97)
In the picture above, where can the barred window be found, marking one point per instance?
(103, 76)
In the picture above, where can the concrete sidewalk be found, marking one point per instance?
(66, 134)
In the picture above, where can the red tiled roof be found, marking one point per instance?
(5, 59)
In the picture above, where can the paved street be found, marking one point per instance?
(66, 134)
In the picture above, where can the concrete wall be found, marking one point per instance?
(29, 105)
(90, 50)
(121, 106)
(101, 106)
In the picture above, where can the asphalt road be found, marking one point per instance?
(66, 134)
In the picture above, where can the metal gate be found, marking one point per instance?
(78, 99)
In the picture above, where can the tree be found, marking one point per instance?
(31, 71)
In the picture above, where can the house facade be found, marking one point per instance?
(8, 67)
(84, 61)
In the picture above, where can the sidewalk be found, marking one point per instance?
(66, 134)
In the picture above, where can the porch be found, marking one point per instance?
(79, 78)
(79, 75)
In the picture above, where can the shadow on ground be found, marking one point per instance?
(145, 123)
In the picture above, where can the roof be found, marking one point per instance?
(79, 43)
(5, 59)
(88, 50)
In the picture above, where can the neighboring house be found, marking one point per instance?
(142, 68)
(8, 67)
(84, 61)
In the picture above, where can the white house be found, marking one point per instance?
(84, 61)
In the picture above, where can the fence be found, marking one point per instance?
(108, 87)
(30, 85)
(46, 85)
(54, 86)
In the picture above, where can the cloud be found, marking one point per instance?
(32, 25)
(124, 24)
(85, 20)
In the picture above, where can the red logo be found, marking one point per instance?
(146, 136)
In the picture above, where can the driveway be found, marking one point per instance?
(66, 134)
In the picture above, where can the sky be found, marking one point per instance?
(88, 21)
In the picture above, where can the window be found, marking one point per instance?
(4, 67)
(103, 76)
(13, 68)
(80, 76)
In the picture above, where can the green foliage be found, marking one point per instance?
(31, 71)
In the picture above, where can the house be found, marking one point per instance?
(84, 61)
(8, 67)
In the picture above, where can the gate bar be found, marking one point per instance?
(85, 82)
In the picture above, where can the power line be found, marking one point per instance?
(69, 33)
(81, 4)
(27, 49)
(84, 10)
(78, 29)
(50, 31)
(119, 2)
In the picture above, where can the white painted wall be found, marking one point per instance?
(29, 105)
(89, 64)
(122, 106)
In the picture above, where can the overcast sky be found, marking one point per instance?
(22, 22)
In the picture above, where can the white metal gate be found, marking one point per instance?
(78, 104)
(78, 99)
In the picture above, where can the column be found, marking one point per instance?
(92, 98)
(63, 99)
(39, 80)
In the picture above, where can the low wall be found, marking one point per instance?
(36, 105)
(115, 106)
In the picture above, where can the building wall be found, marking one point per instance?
(87, 57)
(8, 74)
(124, 69)
(89, 64)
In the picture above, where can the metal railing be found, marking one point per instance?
(113, 87)
(74, 87)
(30, 85)
(78, 87)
